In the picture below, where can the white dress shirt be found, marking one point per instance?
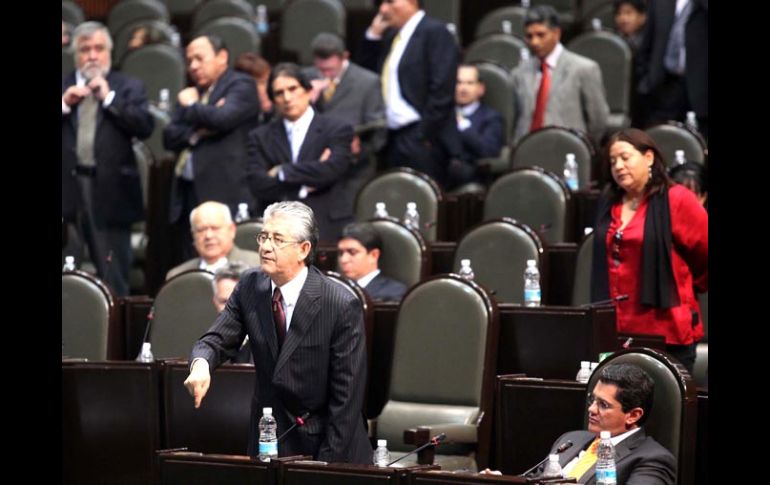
(368, 278)
(290, 292)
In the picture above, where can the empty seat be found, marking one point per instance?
(128, 12)
(548, 148)
(404, 254)
(581, 285)
(214, 9)
(72, 13)
(673, 136)
(503, 49)
(159, 31)
(87, 311)
(246, 234)
(503, 20)
(159, 66)
(239, 36)
(304, 19)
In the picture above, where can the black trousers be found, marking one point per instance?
(408, 147)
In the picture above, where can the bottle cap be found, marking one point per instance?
(553, 457)
(531, 262)
(382, 443)
(585, 363)
(146, 347)
(465, 262)
(411, 205)
(267, 411)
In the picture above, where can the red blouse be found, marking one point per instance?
(689, 248)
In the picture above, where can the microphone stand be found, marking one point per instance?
(433, 442)
(298, 421)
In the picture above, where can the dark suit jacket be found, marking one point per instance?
(383, 288)
(484, 138)
(639, 459)
(117, 186)
(268, 146)
(320, 369)
(219, 159)
(649, 58)
(427, 75)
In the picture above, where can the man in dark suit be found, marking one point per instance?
(358, 253)
(417, 58)
(351, 93)
(101, 189)
(308, 342)
(480, 127)
(672, 62)
(620, 403)
(208, 129)
(302, 155)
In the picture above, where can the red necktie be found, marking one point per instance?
(279, 317)
(542, 98)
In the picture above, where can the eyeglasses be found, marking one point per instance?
(278, 241)
(616, 239)
(601, 404)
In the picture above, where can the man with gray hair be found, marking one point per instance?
(101, 112)
(307, 339)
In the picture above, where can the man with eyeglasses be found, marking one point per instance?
(301, 154)
(620, 403)
(213, 233)
(307, 339)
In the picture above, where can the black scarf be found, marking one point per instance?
(658, 287)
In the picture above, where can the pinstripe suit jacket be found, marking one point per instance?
(320, 369)
(577, 98)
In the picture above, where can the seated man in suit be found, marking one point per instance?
(224, 283)
(358, 253)
(213, 232)
(308, 340)
(620, 403)
(480, 127)
(556, 87)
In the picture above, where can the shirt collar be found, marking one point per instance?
(290, 291)
(408, 28)
(219, 263)
(552, 59)
(469, 109)
(362, 282)
(617, 439)
(302, 123)
(344, 69)
(80, 79)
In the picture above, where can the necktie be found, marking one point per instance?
(87, 110)
(186, 154)
(674, 58)
(279, 317)
(585, 462)
(542, 98)
(290, 137)
(386, 68)
(329, 91)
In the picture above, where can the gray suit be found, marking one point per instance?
(639, 459)
(320, 369)
(577, 98)
(249, 258)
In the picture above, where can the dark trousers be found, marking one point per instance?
(684, 354)
(183, 242)
(669, 101)
(408, 147)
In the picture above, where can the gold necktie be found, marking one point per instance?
(87, 110)
(386, 67)
(329, 91)
(585, 462)
(184, 155)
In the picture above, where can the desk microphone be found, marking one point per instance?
(298, 421)
(562, 448)
(605, 302)
(435, 441)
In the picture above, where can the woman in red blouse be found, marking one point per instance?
(651, 244)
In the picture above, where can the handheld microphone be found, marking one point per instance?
(606, 302)
(435, 441)
(561, 449)
(298, 421)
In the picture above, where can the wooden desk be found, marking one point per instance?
(315, 473)
(195, 468)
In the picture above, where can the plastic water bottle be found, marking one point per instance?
(571, 171)
(679, 157)
(552, 468)
(584, 373)
(596, 24)
(605, 461)
(594, 365)
(69, 264)
(465, 269)
(262, 24)
(691, 121)
(268, 443)
(411, 216)
(145, 355)
(506, 27)
(531, 284)
(243, 212)
(163, 100)
(380, 212)
(381, 454)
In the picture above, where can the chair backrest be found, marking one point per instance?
(246, 233)
(304, 19)
(129, 11)
(272, 5)
(498, 93)
(144, 160)
(499, 251)
(598, 9)
(701, 368)
(503, 49)
(184, 311)
(673, 136)
(581, 285)
(163, 33)
(159, 66)
(548, 148)
(67, 61)
(238, 34)
(613, 55)
(534, 197)
(493, 22)
(87, 311)
(72, 13)
(182, 7)
(673, 416)
(404, 253)
(214, 9)
(395, 188)
(448, 11)
(444, 356)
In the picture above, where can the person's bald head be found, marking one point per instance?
(213, 231)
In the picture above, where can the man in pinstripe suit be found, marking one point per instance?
(315, 363)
